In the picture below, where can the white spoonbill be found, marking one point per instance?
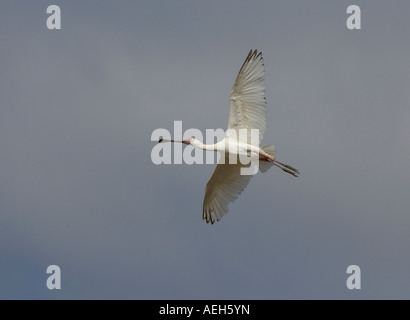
(247, 111)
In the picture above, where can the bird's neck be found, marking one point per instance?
(200, 145)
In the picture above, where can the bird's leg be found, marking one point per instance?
(293, 173)
(285, 167)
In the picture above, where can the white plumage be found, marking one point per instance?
(247, 100)
(247, 111)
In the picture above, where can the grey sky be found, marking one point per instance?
(78, 188)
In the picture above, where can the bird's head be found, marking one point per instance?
(186, 141)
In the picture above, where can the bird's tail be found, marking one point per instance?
(264, 165)
(270, 150)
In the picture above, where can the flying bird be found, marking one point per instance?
(247, 112)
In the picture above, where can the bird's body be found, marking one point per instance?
(247, 115)
(229, 147)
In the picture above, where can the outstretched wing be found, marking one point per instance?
(247, 100)
(223, 188)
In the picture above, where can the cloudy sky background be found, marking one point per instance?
(78, 187)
